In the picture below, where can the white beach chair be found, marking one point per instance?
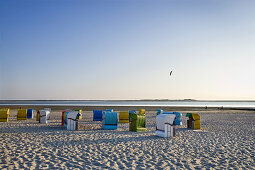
(165, 125)
(44, 116)
(72, 120)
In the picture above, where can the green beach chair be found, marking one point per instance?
(137, 122)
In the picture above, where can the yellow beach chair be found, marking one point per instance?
(124, 117)
(4, 114)
(22, 114)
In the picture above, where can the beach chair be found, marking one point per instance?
(142, 111)
(72, 120)
(165, 125)
(194, 121)
(124, 117)
(63, 116)
(97, 115)
(110, 120)
(22, 114)
(137, 122)
(4, 114)
(159, 111)
(38, 115)
(44, 116)
(30, 114)
(178, 118)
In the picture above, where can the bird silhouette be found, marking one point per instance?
(171, 73)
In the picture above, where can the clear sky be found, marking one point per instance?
(124, 49)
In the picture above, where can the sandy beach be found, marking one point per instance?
(226, 141)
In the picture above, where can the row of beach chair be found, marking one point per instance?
(165, 121)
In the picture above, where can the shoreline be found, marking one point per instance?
(122, 108)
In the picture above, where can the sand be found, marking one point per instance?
(226, 140)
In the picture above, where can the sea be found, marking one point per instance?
(158, 103)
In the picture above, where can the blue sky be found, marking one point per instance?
(125, 49)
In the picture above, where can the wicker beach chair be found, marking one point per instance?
(165, 125)
(72, 120)
(124, 117)
(194, 121)
(110, 120)
(4, 114)
(22, 114)
(30, 114)
(97, 115)
(44, 116)
(137, 122)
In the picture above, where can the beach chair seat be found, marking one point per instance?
(30, 114)
(165, 125)
(137, 122)
(178, 118)
(97, 115)
(110, 120)
(72, 120)
(159, 111)
(124, 117)
(4, 114)
(44, 116)
(22, 114)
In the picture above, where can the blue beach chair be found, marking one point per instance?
(97, 115)
(110, 120)
(178, 118)
(30, 114)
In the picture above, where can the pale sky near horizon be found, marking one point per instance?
(109, 49)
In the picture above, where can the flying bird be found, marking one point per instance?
(171, 73)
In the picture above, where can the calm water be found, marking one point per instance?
(242, 104)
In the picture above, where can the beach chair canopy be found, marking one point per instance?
(168, 112)
(97, 115)
(162, 119)
(73, 115)
(109, 110)
(141, 111)
(159, 111)
(189, 115)
(195, 116)
(110, 118)
(132, 111)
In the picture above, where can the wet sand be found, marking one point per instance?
(226, 140)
